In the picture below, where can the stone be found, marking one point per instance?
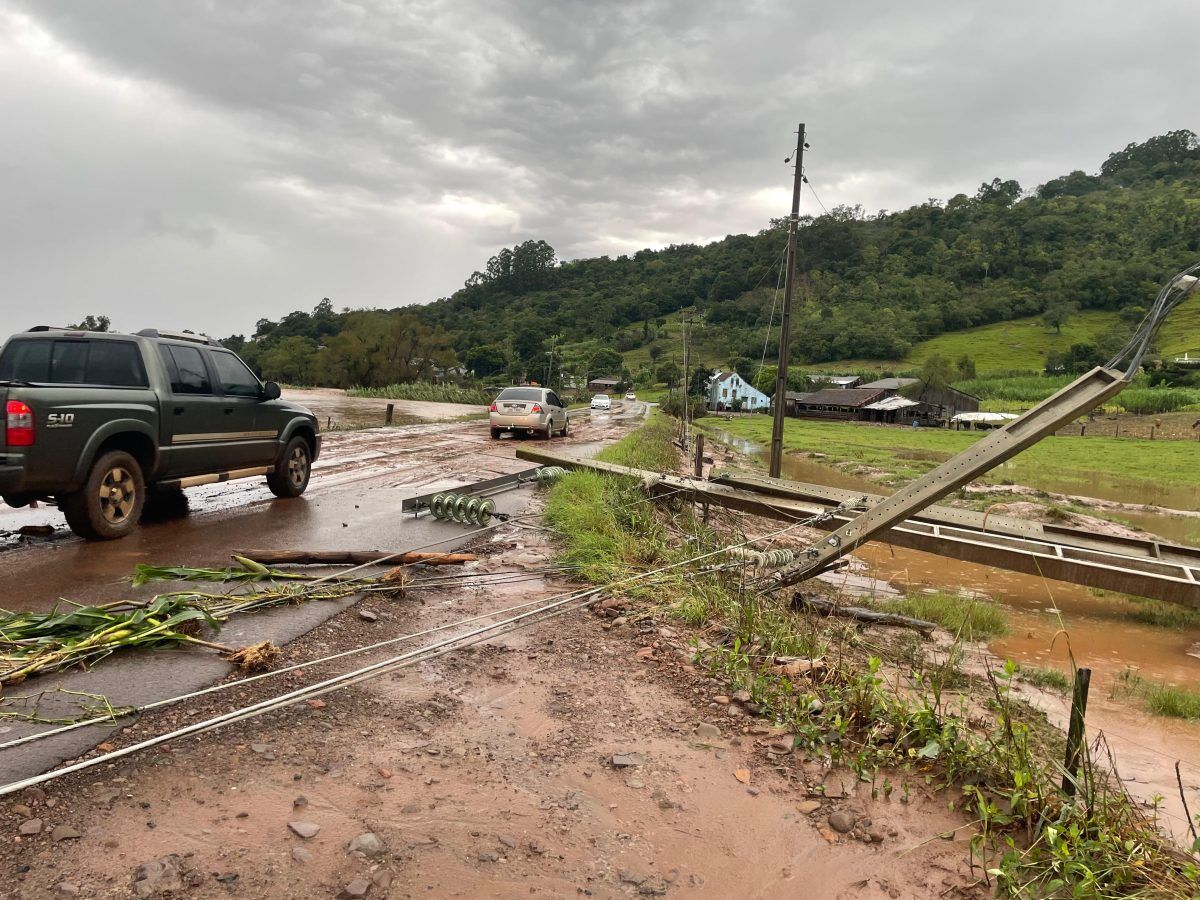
(260, 748)
(30, 827)
(302, 856)
(382, 879)
(489, 856)
(368, 844)
(707, 732)
(368, 616)
(628, 876)
(356, 888)
(806, 807)
(67, 889)
(159, 877)
(625, 760)
(64, 833)
(783, 743)
(876, 836)
(300, 802)
(22, 810)
(837, 785)
(742, 697)
(507, 840)
(841, 821)
(305, 830)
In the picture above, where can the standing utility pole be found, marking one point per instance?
(786, 326)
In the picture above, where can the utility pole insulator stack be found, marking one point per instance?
(785, 328)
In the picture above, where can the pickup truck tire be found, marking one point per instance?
(292, 470)
(109, 505)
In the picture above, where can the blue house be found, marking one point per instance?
(729, 391)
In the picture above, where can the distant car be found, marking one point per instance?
(631, 396)
(601, 401)
(528, 410)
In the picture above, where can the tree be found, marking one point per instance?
(486, 360)
(966, 367)
(92, 323)
(936, 372)
(606, 362)
(1058, 313)
(291, 360)
(668, 373)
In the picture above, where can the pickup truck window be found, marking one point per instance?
(189, 375)
(236, 379)
(108, 363)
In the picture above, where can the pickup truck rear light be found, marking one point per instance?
(18, 424)
(492, 408)
(537, 408)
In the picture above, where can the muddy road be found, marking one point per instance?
(584, 756)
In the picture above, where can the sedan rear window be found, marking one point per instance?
(107, 363)
(520, 394)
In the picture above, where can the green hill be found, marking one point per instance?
(972, 274)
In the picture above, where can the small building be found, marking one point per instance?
(603, 385)
(841, 382)
(834, 403)
(891, 410)
(729, 391)
(935, 403)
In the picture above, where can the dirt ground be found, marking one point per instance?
(484, 773)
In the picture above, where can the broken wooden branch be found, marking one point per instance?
(353, 557)
(862, 614)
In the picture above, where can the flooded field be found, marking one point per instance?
(338, 412)
(1051, 622)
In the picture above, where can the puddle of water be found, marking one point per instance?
(1106, 487)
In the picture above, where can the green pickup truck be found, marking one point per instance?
(95, 421)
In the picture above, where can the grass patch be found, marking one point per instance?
(970, 618)
(1065, 464)
(648, 447)
(1160, 699)
(999, 767)
(1147, 611)
(1045, 677)
(422, 390)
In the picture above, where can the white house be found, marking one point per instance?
(729, 391)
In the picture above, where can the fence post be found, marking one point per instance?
(1070, 782)
(328, 423)
(1151, 432)
(699, 463)
(391, 408)
(1082, 430)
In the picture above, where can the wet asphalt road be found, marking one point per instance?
(353, 502)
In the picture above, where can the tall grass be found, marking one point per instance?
(1152, 401)
(973, 619)
(1015, 388)
(424, 390)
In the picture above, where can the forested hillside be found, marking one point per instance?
(870, 287)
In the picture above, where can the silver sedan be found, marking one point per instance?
(528, 410)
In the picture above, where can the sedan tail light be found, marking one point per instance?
(537, 408)
(18, 424)
(492, 408)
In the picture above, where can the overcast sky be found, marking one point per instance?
(205, 163)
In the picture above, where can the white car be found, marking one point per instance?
(601, 401)
(631, 396)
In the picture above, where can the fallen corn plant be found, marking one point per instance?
(41, 643)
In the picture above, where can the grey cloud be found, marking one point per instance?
(246, 159)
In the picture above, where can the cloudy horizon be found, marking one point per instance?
(205, 164)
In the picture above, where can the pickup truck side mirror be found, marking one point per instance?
(270, 391)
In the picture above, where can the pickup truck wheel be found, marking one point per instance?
(290, 477)
(110, 504)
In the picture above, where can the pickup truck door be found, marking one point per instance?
(250, 432)
(192, 416)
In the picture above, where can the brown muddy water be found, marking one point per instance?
(1050, 622)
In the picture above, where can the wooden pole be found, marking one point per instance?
(391, 408)
(353, 557)
(698, 466)
(785, 325)
(1070, 781)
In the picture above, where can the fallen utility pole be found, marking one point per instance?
(1173, 577)
(785, 325)
(352, 557)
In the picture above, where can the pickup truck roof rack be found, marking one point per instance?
(53, 328)
(179, 336)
